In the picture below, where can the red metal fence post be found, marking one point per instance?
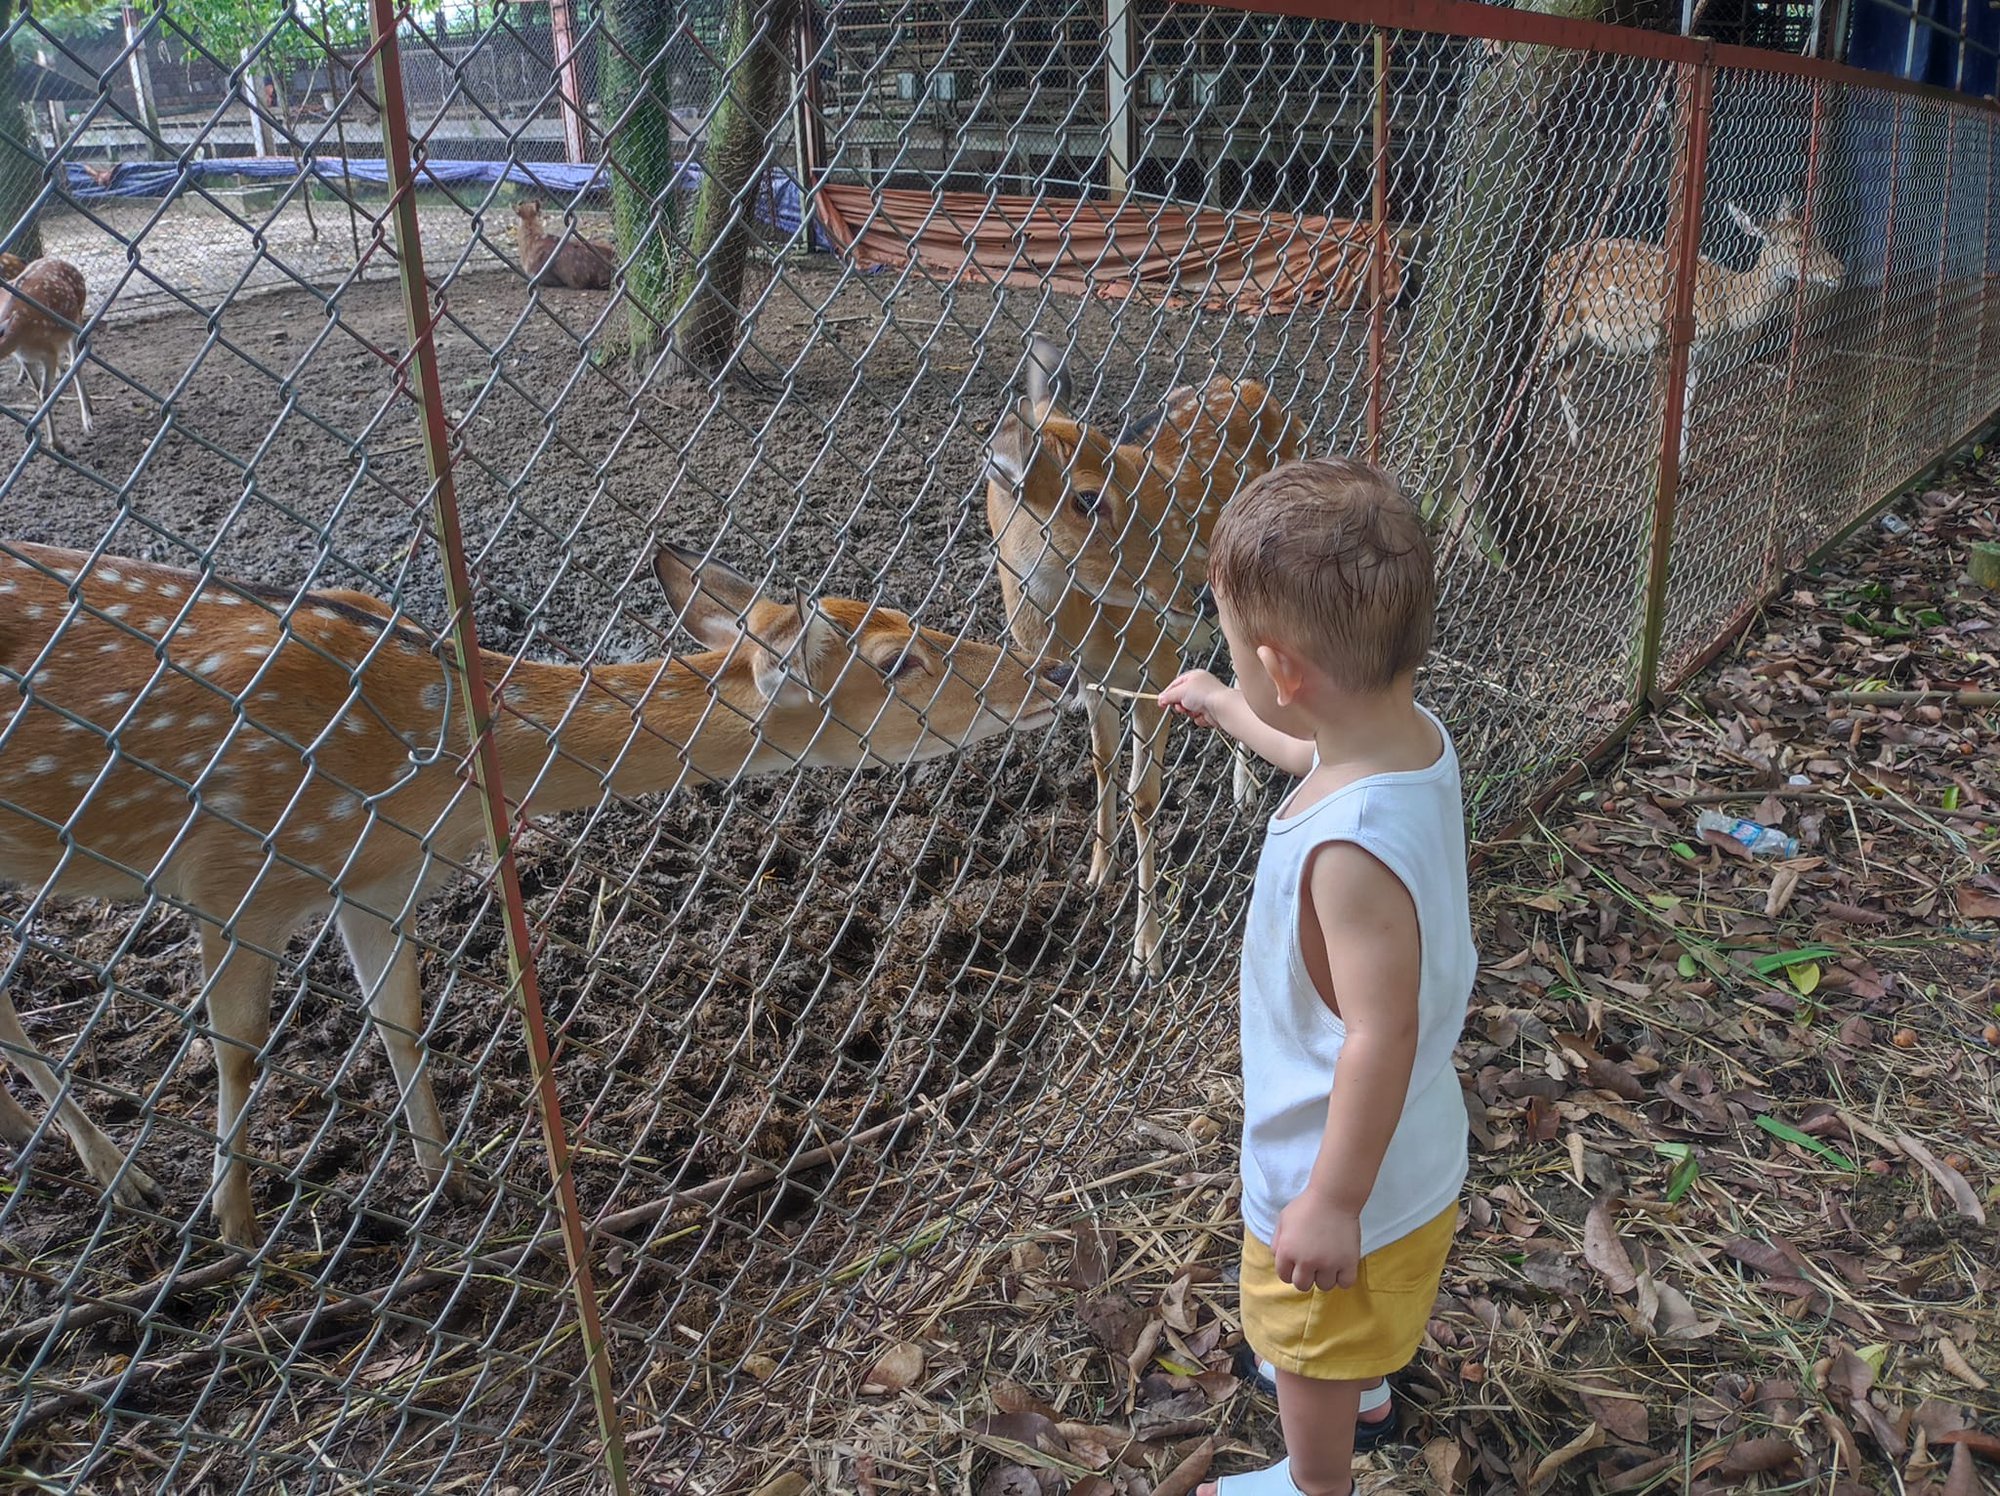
(484, 756)
(1378, 251)
(1944, 246)
(1696, 90)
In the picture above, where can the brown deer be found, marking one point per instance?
(259, 758)
(1613, 295)
(41, 311)
(574, 261)
(1103, 551)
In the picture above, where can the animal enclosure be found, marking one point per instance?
(788, 1009)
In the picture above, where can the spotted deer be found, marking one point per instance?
(1103, 557)
(572, 260)
(1613, 294)
(259, 758)
(41, 311)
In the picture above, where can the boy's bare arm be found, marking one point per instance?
(1207, 702)
(1373, 954)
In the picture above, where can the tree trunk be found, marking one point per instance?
(1500, 212)
(20, 156)
(632, 64)
(741, 146)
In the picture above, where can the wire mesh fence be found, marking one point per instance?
(654, 644)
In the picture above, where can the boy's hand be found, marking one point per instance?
(1196, 695)
(1318, 1244)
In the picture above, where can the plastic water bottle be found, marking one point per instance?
(1761, 841)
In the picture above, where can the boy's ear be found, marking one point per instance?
(1287, 675)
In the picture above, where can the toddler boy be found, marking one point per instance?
(1357, 952)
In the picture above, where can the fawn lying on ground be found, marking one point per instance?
(584, 264)
(239, 752)
(1612, 294)
(40, 312)
(1104, 557)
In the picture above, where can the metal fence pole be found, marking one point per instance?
(1815, 133)
(1882, 312)
(484, 755)
(1696, 88)
(1378, 250)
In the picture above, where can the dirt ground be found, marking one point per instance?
(733, 978)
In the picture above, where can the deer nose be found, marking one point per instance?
(1059, 674)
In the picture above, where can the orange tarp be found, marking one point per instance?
(1247, 262)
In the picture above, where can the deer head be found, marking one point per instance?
(839, 682)
(1096, 505)
(1791, 251)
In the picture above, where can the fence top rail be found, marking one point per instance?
(1470, 18)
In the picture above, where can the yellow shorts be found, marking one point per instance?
(1348, 1334)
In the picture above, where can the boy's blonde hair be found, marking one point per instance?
(1328, 557)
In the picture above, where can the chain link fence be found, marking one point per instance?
(625, 668)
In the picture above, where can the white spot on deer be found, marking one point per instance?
(110, 646)
(257, 628)
(162, 722)
(33, 610)
(256, 651)
(311, 833)
(43, 764)
(191, 760)
(227, 599)
(212, 664)
(343, 808)
(326, 614)
(434, 696)
(354, 725)
(171, 589)
(157, 624)
(115, 698)
(110, 574)
(136, 586)
(117, 610)
(201, 719)
(82, 781)
(222, 802)
(8, 587)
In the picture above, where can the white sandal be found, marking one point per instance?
(1273, 1480)
(1377, 1396)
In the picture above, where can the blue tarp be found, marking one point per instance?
(779, 204)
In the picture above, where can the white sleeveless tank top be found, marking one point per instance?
(1414, 824)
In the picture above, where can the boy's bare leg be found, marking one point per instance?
(1318, 1420)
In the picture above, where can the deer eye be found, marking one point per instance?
(1085, 501)
(906, 664)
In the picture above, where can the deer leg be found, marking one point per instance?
(105, 1161)
(1149, 735)
(239, 1011)
(386, 965)
(1687, 407)
(1243, 779)
(1105, 720)
(1575, 427)
(82, 399)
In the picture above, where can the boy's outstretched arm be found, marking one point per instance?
(1207, 702)
(1373, 955)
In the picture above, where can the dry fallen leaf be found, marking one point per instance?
(1185, 1476)
(897, 1368)
(1605, 1252)
(1010, 1480)
(1964, 1478)
(1446, 1461)
(791, 1483)
(1953, 1360)
(1096, 1253)
(1591, 1438)
(1962, 1197)
(1623, 1417)
(1752, 1456)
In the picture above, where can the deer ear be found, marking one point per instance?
(709, 598)
(1745, 222)
(1008, 453)
(785, 656)
(1043, 380)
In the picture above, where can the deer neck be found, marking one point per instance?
(566, 733)
(1749, 296)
